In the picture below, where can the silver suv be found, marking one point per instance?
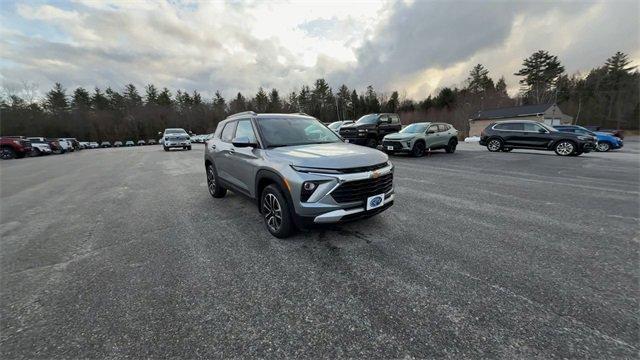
(297, 170)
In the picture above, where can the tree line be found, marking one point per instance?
(606, 96)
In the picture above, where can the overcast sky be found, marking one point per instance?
(414, 47)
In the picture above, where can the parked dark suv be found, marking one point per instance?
(370, 129)
(297, 170)
(528, 134)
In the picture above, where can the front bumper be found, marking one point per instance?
(177, 143)
(356, 140)
(396, 145)
(340, 197)
(352, 214)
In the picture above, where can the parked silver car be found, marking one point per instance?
(298, 171)
(420, 137)
(176, 138)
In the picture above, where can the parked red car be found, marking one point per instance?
(14, 147)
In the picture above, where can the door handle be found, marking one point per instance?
(213, 146)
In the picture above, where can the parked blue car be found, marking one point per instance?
(606, 141)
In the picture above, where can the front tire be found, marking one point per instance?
(166, 148)
(494, 145)
(418, 149)
(215, 189)
(275, 212)
(603, 146)
(7, 154)
(565, 148)
(188, 147)
(372, 143)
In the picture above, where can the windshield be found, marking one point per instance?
(414, 129)
(368, 119)
(175, 131)
(295, 131)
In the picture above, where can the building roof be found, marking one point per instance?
(512, 111)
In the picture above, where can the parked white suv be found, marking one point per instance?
(176, 138)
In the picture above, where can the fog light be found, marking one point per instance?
(309, 186)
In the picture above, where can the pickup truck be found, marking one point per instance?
(14, 147)
(370, 129)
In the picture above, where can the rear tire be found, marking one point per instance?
(275, 212)
(494, 145)
(451, 147)
(418, 149)
(213, 184)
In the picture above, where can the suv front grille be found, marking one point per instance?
(363, 169)
(360, 190)
(395, 144)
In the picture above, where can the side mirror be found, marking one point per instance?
(243, 141)
(431, 131)
(542, 131)
(160, 133)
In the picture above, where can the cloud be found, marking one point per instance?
(409, 46)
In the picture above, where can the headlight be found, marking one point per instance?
(362, 131)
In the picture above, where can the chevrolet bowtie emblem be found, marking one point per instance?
(375, 174)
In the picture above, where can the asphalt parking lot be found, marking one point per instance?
(123, 253)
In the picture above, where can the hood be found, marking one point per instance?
(400, 136)
(606, 135)
(329, 156)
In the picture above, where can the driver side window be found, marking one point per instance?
(432, 129)
(246, 129)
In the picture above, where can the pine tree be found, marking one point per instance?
(131, 97)
(56, 99)
(501, 87)
(81, 99)
(261, 101)
(393, 103)
(540, 72)
(219, 107)
(479, 80)
(151, 96)
(238, 104)
(164, 98)
(99, 101)
(275, 104)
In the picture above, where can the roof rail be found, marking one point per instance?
(301, 113)
(253, 113)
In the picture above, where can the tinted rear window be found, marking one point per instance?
(510, 126)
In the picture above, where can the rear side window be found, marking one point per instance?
(395, 119)
(443, 127)
(532, 127)
(510, 127)
(227, 132)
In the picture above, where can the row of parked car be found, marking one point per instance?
(107, 144)
(385, 132)
(20, 146)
